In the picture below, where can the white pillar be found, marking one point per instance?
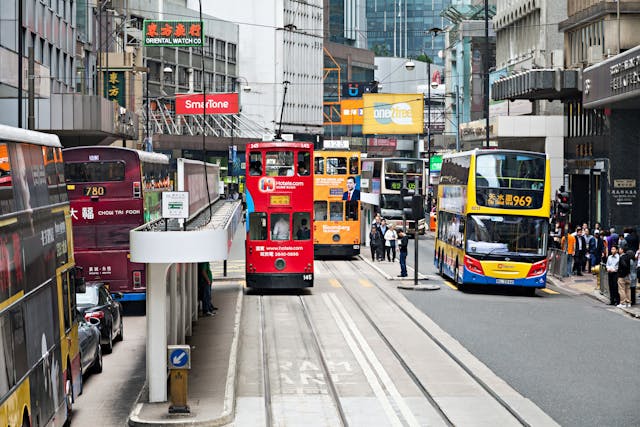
(172, 317)
(157, 331)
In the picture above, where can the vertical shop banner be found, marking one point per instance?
(172, 33)
(393, 113)
(115, 86)
(351, 112)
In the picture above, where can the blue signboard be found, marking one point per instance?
(178, 358)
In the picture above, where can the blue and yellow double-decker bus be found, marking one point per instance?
(493, 218)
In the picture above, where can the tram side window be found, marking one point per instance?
(6, 182)
(320, 210)
(301, 225)
(280, 229)
(258, 226)
(335, 211)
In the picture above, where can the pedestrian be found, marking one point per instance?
(586, 266)
(612, 239)
(625, 262)
(568, 244)
(403, 243)
(598, 251)
(375, 241)
(390, 238)
(580, 252)
(205, 277)
(632, 239)
(383, 231)
(612, 276)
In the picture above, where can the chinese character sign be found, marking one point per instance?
(173, 33)
(114, 86)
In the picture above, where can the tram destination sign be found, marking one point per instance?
(172, 33)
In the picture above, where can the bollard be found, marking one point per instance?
(179, 364)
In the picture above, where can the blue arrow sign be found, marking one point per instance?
(179, 358)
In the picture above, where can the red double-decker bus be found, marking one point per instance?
(113, 190)
(279, 196)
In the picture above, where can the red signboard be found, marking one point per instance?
(217, 103)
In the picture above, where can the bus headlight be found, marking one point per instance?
(280, 264)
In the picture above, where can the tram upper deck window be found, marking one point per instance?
(279, 163)
(255, 164)
(258, 226)
(336, 166)
(319, 166)
(303, 163)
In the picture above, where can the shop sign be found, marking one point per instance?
(172, 33)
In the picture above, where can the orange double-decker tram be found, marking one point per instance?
(336, 206)
(279, 197)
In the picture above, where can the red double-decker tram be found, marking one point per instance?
(279, 196)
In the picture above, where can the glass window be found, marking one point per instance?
(354, 168)
(320, 210)
(258, 226)
(301, 225)
(319, 166)
(336, 211)
(303, 163)
(336, 166)
(6, 182)
(255, 164)
(506, 235)
(280, 228)
(351, 207)
(279, 163)
(94, 171)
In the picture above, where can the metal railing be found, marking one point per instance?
(557, 263)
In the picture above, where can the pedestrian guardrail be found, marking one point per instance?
(557, 263)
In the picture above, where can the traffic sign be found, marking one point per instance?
(179, 356)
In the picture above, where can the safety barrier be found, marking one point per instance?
(557, 263)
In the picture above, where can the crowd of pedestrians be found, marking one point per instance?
(385, 241)
(619, 253)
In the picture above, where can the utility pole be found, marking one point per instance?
(416, 234)
(485, 66)
(20, 56)
(31, 91)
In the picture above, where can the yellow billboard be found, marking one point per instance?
(397, 113)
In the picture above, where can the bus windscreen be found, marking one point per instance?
(94, 171)
(503, 234)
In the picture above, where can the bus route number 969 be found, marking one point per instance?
(307, 277)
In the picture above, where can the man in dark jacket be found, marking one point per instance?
(625, 264)
(403, 242)
(580, 252)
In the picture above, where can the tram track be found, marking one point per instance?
(405, 365)
(314, 340)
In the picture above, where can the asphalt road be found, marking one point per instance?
(574, 357)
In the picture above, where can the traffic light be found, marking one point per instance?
(407, 202)
(417, 205)
(563, 204)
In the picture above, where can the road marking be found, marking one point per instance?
(365, 283)
(451, 285)
(334, 283)
(360, 358)
(550, 291)
(382, 373)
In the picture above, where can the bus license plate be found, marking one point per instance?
(505, 281)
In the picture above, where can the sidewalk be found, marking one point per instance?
(587, 284)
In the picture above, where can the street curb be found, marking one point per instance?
(387, 276)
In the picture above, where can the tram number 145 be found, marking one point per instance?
(307, 277)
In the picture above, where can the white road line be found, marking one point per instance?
(366, 369)
(382, 373)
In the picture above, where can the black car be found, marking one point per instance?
(90, 349)
(97, 302)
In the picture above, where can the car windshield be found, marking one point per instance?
(90, 297)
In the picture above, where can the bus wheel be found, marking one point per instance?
(455, 278)
(68, 388)
(440, 265)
